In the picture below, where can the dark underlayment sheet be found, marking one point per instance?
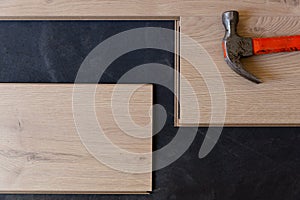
(247, 163)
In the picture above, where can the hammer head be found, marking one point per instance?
(236, 47)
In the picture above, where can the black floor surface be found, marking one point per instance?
(246, 164)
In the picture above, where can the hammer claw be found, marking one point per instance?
(237, 67)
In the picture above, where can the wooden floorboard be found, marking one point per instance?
(42, 152)
(272, 103)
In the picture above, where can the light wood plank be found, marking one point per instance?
(275, 102)
(142, 8)
(204, 8)
(106, 8)
(41, 151)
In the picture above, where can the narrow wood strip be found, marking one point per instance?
(146, 7)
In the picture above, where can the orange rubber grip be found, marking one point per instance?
(276, 45)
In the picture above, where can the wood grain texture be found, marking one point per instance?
(87, 8)
(275, 102)
(142, 8)
(41, 151)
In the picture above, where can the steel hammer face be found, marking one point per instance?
(236, 47)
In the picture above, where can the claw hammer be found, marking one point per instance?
(236, 47)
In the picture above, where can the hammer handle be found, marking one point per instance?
(276, 45)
